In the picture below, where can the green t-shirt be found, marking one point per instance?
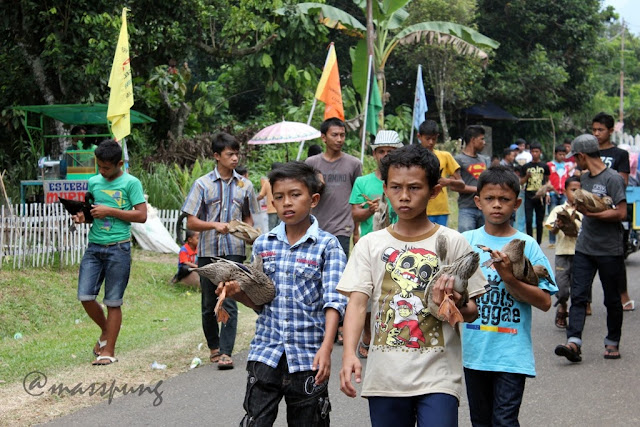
(123, 193)
(372, 187)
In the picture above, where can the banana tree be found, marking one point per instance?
(389, 17)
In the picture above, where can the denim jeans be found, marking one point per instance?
(556, 199)
(345, 242)
(111, 264)
(307, 403)
(494, 397)
(530, 205)
(435, 409)
(439, 219)
(469, 219)
(222, 337)
(612, 271)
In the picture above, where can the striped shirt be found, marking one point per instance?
(306, 275)
(213, 199)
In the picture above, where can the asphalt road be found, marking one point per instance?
(594, 392)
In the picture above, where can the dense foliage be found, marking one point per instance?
(205, 65)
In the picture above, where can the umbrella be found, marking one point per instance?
(285, 132)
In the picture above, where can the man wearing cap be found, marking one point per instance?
(365, 198)
(598, 249)
(509, 156)
(438, 207)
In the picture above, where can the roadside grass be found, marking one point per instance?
(161, 322)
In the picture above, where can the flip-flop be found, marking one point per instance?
(225, 362)
(611, 352)
(100, 345)
(214, 357)
(629, 305)
(363, 346)
(101, 358)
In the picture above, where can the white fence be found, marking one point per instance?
(37, 234)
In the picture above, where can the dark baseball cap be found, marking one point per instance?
(585, 143)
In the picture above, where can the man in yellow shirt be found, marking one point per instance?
(438, 208)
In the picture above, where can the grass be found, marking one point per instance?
(160, 322)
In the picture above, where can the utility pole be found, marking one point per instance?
(621, 118)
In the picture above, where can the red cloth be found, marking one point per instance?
(556, 180)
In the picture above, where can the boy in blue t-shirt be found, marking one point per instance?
(118, 201)
(290, 354)
(497, 352)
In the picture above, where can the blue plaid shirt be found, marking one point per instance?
(212, 199)
(305, 275)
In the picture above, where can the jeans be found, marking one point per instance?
(435, 409)
(611, 271)
(530, 205)
(469, 219)
(345, 242)
(556, 199)
(494, 397)
(111, 264)
(307, 403)
(222, 337)
(439, 219)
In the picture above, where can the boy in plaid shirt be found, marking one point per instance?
(290, 353)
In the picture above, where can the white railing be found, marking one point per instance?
(37, 235)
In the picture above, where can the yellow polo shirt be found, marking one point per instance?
(448, 165)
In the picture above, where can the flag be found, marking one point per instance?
(121, 97)
(329, 90)
(374, 106)
(420, 107)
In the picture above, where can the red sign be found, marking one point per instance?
(67, 189)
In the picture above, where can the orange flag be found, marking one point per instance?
(329, 90)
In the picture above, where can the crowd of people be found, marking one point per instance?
(361, 261)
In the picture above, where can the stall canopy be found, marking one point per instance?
(489, 111)
(80, 114)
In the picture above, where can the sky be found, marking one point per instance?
(629, 10)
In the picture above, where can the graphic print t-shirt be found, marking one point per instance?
(500, 338)
(539, 174)
(616, 159)
(412, 352)
(122, 193)
(470, 170)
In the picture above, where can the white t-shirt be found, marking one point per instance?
(412, 353)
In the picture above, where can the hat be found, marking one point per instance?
(513, 147)
(387, 138)
(585, 143)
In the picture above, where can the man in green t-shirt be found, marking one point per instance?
(370, 186)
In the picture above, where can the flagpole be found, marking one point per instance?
(313, 107)
(415, 95)
(366, 107)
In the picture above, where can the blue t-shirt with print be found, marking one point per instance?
(500, 338)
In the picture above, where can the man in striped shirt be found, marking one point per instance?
(214, 200)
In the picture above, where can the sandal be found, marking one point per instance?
(363, 350)
(108, 360)
(225, 362)
(629, 305)
(569, 352)
(214, 357)
(98, 347)
(561, 319)
(339, 337)
(611, 352)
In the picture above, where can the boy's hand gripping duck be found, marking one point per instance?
(461, 269)
(252, 280)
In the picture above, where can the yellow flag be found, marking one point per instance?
(121, 97)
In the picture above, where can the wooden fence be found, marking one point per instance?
(36, 235)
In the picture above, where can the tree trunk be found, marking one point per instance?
(40, 80)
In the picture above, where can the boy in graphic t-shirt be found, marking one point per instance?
(414, 365)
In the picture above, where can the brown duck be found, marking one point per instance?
(243, 231)
(569, 226)
(462, 269)
(251, 278)
(591, 202)
(523, 270)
